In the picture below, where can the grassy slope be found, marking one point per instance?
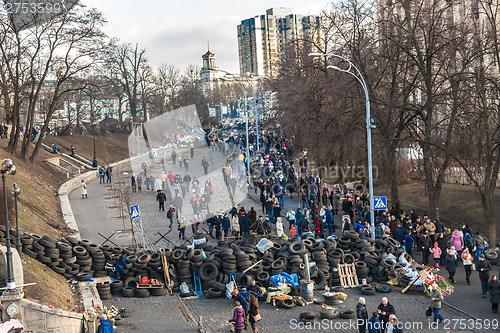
(39, 210)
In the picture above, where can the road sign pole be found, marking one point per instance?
(142, 234)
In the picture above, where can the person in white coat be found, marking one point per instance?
(83, 189)
(279, 227)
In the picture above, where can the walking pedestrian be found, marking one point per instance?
(254, 312)
(171, 215)
(205, 165)
(83, 189)
(457, 241)
(362, 315)
(132, 183)
(374, 325)
(494, 289)
(483, 267)
(181, 226)
(161, 198)
(436, 253)
(385, 309)
(436, 299)
(102, 173)
(238, 317)
(479, 244)
(139, 183)
(109, 174)
(450, 265)
(467, 261)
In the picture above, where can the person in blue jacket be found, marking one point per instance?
(329, 220)
(374, 325)
(120, 266)
(105, 326)
(409, 243)
(400, 233)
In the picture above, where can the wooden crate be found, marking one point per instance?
(348, 276)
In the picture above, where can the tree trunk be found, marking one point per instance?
(487, 202)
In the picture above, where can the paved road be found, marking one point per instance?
(162, 314)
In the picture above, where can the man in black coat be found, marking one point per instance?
(484, 268)
(245, 224)
(362, 315)
(425, 245)
(161, 198)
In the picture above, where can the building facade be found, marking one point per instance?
(262, 38)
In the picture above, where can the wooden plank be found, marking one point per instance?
(102, 279)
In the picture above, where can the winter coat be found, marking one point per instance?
(436, 252)
(425, 242)
(238, 318)
(388, 309)
(479, 242)
(400, 234)
(469, 242)
(449, 263)
(245, 223)
(105, 327)
(160, 197)
(244, 299)
(226, 223)
(436, 299)
(408, 241)
(181, 222)
(430, 227)
(485, 274)
(439, 227)
(494, 289)
(374, 325)
(361, 312)
(457, 241)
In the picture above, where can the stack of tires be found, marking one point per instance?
(104, 290)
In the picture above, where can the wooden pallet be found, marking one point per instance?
(150, 286)
(348, 276)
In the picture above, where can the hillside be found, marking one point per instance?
(39, 209)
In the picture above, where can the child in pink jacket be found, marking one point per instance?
(436, 253)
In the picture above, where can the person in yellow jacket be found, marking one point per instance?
(430, 227)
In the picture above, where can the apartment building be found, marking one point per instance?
(262, 38)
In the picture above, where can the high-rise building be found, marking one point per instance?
(262, 38)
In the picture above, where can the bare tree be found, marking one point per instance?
(44, 59)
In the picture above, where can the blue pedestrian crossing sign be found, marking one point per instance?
(379, 203)
(134, 211)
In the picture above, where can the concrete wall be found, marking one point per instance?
(42, 319)
(54, 164)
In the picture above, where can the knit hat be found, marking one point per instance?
(436, 244)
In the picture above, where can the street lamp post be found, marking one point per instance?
(17, 190)
(361, 80)
(8, 168)
(94, 161)
(246, 119)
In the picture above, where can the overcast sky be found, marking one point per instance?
(176, 32)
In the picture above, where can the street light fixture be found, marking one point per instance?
(94, 161)
(246, 117)
(361, 80)
(8, 168)
(16, 191)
